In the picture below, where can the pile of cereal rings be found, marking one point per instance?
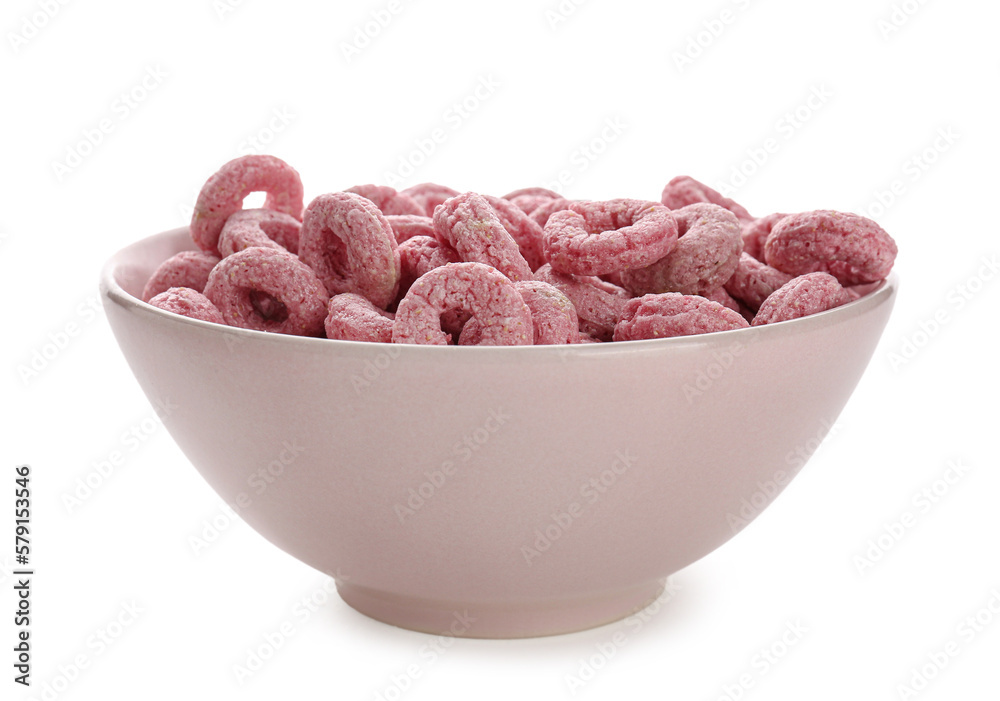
(430, 265)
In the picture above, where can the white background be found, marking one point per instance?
(904, 96)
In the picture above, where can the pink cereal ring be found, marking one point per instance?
(724, 298)
(525, 231)
(420, 255)
(597, 238)
(417, 257)
(267, 289)
(755, 233)
(388, 200)
(540, 215)
(804, 295)
(503, 317)
(753, 281)
(351, 317)
(533, 192)
(350, 245)
(259, 227)
(705, 256)
(684, 190)
(187, 302)
(470, 225)
(552, 314)
(471, 333)
(852, 248)
(429, 195)
(406, 226)
(223, 193)
(598, 303)
(186, 269)
(529, 203)
(674, 314)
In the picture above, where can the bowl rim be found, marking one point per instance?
(111, 290)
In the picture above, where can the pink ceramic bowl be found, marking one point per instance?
(493, 492)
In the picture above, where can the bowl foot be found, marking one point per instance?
(499, 619)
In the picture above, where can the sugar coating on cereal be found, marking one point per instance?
(524, 230)
(429, 195)
(802, 296)
(267, 289)
(406, 226)
(852, 248)
(598, 303)
(469, 224)
(540, 215)
(529, 203)
(351, 317)
(598, 238)
(673, 314)
(723, 297)
(431, 264)
(347, 241)
(420, 255)
(704, 258)
(753, 281)
(388, 200)
(503, 317)
(756, 231)
(552, 313)
(187, 302)
(685, 190)
(188, 269)
(223, 194)
(259, 227)
(543, 192)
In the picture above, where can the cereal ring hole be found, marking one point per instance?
(269, 308)
(255, 200)
(335, 255)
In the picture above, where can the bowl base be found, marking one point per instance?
(518, 619)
